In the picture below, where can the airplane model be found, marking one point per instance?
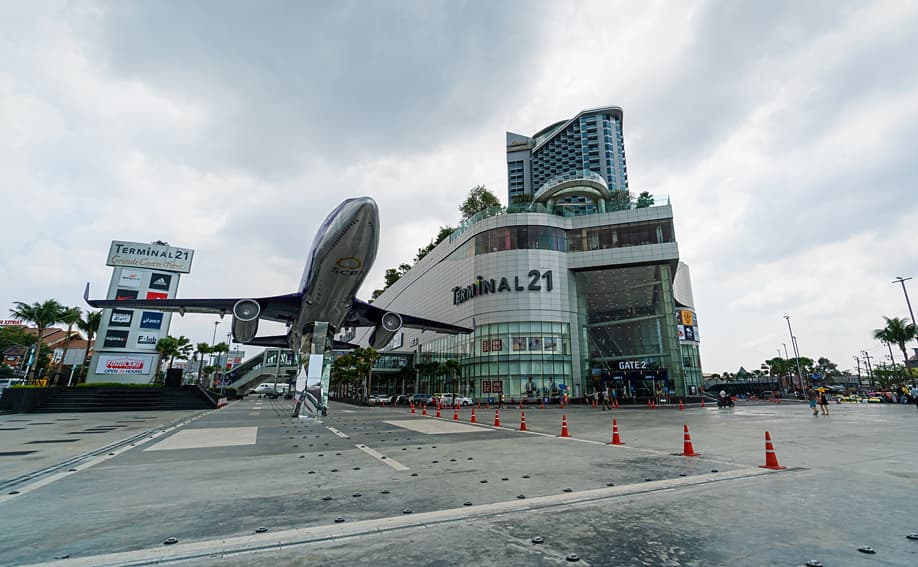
(342, 254)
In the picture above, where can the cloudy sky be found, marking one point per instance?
(784, 133)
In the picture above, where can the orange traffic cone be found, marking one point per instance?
(474, 419)
(616, 440)
(456, 413)
(702, 401)
(649, 404)
(688, 450)
(497, 418)
(521, 403)
(412, 408)
(564, 432)
(771, 460)
(438, 411)
(681, 405)
(541, 404)
(523, 421)
(424, 410)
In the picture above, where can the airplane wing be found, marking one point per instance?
(370, 315)
(282, 308)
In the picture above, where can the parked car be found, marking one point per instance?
(448, 399)
(420, 399)
(8, 382)
(379, 399)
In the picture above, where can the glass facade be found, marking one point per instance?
(530, 359)
(513, 238)
(617, 236)
(628, 333)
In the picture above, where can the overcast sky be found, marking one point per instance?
(784, 133)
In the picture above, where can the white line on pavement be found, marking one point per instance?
(382, 458)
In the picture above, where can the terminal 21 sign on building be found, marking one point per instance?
(127, 337)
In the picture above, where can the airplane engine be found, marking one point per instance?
(383, 333)
(245, 320)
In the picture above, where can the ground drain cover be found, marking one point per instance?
(14, 453)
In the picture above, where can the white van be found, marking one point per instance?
(7, 382)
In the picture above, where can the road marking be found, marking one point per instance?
(287, 539)
(437, 426)
(380, 457)
(208, 437)
(336, 432)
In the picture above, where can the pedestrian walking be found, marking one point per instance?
(500, 401)
(606, 402)
(824, 403)
(811, 395)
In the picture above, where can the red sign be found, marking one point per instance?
(156, 295)
(486, 345)
(486, 387)
(497, 386)
(497, 345)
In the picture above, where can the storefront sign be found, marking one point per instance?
(125, 364)
(121, 318)
(147, 340)
(130, 279)
(535, 280)
(156, 256)
(632, 365)
(116, 339)
(151, 320)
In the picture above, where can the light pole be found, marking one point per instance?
(901, 280)
(796, 353)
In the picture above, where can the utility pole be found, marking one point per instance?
(858, 360)
(869, 369)
(901, 280)
(796, 353)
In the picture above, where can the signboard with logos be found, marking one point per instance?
(128, 337)
(125, 364)
(687, 325)
(151, 256)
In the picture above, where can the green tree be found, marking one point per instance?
(10, 336)
(620, 200)
(70, 316)
(203, 348)
(644, 200)
(897, 331)
(90, 326)
(479, 199)
(42, 315)
(451, 368)
(172, 347)
(219, 349)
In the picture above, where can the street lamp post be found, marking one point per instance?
(901, 280)
(796, 353)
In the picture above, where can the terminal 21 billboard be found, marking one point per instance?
(128, 337)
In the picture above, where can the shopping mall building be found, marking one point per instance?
(569, 289)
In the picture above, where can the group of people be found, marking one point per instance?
(818, 397)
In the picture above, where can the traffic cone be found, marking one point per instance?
(497, 418)
(681, 405)
(593, 404)
(616, 440)
(649, 403)
(564, 432)
(702, 401)
(541, 404)
(438, 411)
(412, 408)
(521, 404)
(771, 460)
(456, 413)
(653, 405)
(474, 419)
(523, 421)
(424, 410)
(687, 450)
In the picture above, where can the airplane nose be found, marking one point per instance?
(366, 207)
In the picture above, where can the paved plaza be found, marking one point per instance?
(373, 485)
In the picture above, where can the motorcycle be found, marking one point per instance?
(725, 402)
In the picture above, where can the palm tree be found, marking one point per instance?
(90, 326)
(42, 315)
(898, 331)
(451, 367)
(71, 316)
(203, 348)
(172, 348)
(219, 349)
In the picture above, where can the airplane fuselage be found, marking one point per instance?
(340, 258)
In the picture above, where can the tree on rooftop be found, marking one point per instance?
(644, 200)
(479, 199)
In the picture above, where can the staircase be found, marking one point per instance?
(125, 399)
